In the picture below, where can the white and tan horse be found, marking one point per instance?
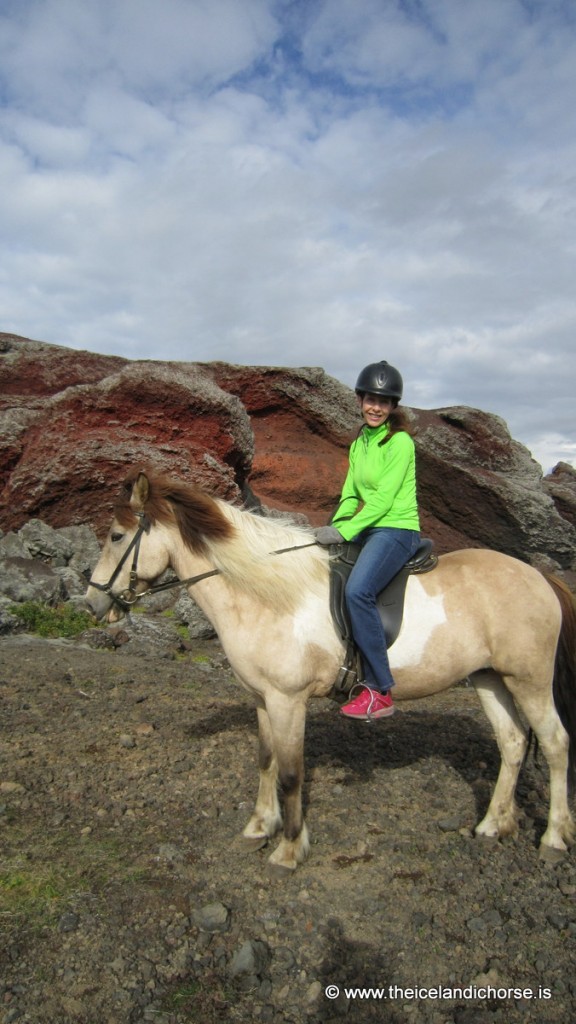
(479, 614)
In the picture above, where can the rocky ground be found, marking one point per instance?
(129, 769)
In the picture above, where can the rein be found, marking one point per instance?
(128, 597)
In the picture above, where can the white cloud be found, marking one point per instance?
(319, 184)
(179, 43)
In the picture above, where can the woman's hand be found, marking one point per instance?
(327, 535)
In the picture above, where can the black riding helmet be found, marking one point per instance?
(380, 379)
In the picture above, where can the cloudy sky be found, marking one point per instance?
(301, 183)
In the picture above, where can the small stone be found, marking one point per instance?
(13, 1014)
(284, 959)
(127, 741)
(251, 958)
(490, 977)
(558, 921)
(265, 990)
(145, 729)
(214, 917)
(449, 824)
(68, 922)
(493, 918)
(247, 982)
(171, 853)
(120, 637)
(313, 993)
(12, 787)
(243, 961)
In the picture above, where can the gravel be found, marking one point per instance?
(128, 770)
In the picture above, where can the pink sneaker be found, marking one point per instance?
(369, 704)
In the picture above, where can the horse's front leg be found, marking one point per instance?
(287, 722)
(267, 817)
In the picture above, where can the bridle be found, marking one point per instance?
(130, 596)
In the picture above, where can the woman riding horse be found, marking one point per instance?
(479, 614)
(378, 511)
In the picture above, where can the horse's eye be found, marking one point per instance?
(115, 537)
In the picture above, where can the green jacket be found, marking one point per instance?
(380, 486)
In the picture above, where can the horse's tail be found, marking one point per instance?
(564, 683)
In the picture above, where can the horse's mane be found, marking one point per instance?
(250, 563)
(239, 543)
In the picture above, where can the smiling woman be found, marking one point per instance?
(376, 409)
(379, 512)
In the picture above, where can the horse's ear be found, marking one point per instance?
(140, 492)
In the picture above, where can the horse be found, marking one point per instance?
(264, 585)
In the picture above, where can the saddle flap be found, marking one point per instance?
(339, 573)
(390, 601)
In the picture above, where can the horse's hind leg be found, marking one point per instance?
(543, 718)
(501, 818)
(267, 817)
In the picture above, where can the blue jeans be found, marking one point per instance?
(384, 551)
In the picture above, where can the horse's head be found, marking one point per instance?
(157, 522)
(134, 554)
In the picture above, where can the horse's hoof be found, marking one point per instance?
(279, 872)
(248, 844)
(484, 837)
(551, 855)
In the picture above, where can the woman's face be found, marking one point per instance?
(375, 409)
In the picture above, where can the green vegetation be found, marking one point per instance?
(63, 870)
(51, 621)
(205, 1000)
(26, 893)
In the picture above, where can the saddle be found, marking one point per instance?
(390, 604)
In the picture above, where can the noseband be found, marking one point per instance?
(130, 596)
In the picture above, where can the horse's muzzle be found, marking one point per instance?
(102, 605)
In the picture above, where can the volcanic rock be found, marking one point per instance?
(73, 423)
(560, 484)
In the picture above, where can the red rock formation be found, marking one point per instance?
(66, 445)
(303, 422)
(72, 423)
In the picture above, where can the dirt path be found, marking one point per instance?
(126, 776)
